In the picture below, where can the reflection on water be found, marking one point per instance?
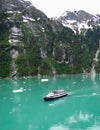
(23, 108)
(93, 75)
(78, 121)
(59, 127)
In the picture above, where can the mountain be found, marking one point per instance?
(27, 29)
(32, 44)
(79, 21)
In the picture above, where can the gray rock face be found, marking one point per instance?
(78, 20)
(39, 45)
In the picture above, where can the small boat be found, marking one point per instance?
(55, 94)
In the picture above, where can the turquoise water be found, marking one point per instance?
(22, 106)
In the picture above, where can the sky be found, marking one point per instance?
(53, 8)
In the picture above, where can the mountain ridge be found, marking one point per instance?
(78, 20)
(32, 44)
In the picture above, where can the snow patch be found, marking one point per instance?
(25, 19)
(10, 12)
(38, 18)
(13, 41)
(13, 12)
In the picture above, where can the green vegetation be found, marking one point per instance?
(5, 58)
(78, 54)
(63, 50)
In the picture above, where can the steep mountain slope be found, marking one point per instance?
(32, 44)
(28, 27)
(79, 21)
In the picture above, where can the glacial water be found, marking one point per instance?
(22, 106)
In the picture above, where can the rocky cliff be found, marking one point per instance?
(32, 44)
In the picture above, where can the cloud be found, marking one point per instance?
(54, 7)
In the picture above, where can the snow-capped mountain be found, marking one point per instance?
(79, 21)
(33, 44)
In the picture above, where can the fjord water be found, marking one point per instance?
(22, 106)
